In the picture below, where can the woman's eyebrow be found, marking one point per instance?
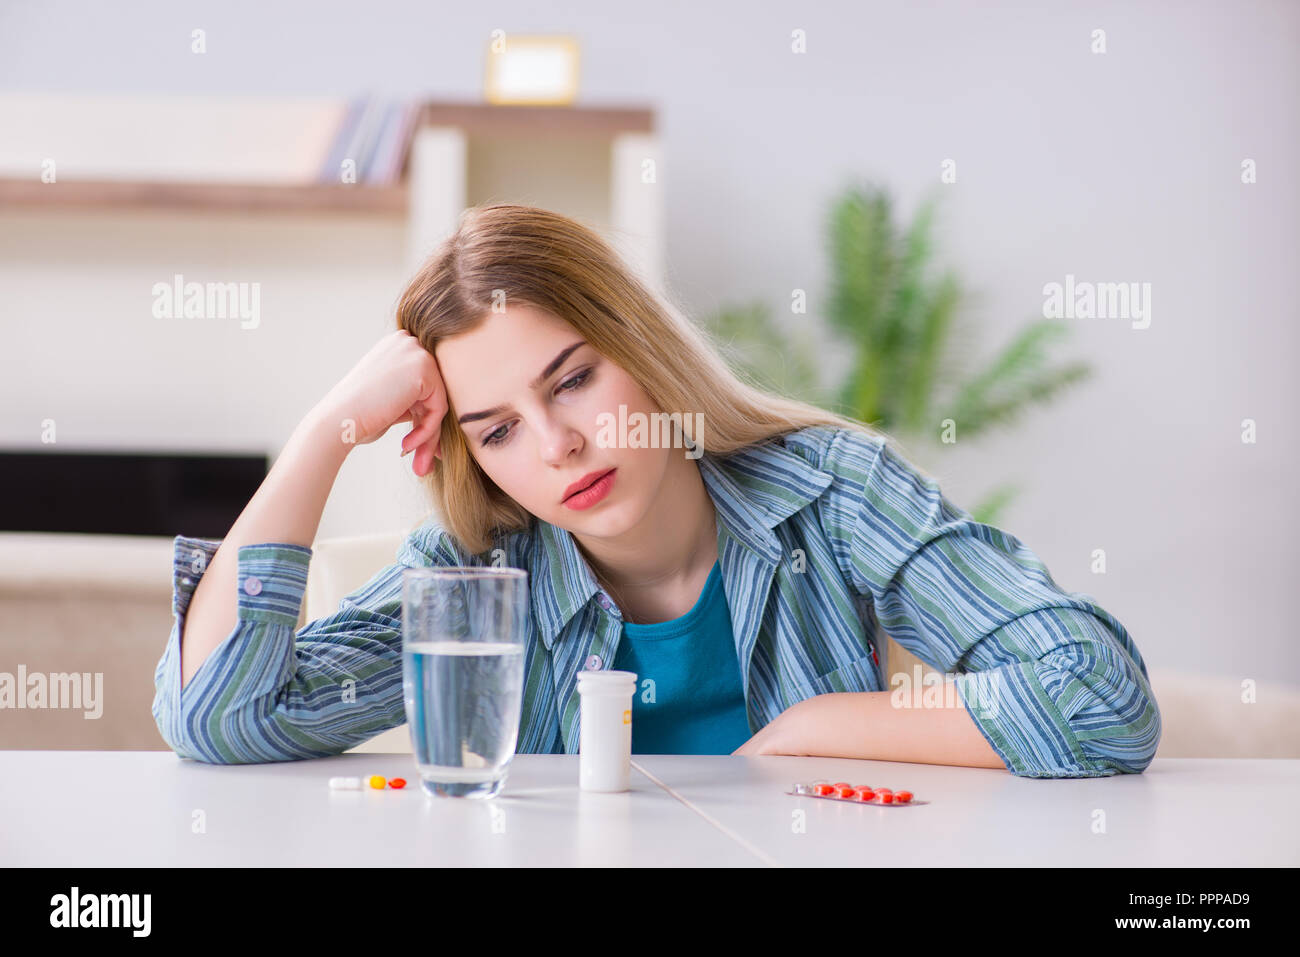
(535, 384)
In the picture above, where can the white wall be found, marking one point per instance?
(83, 348)
(1118, 167)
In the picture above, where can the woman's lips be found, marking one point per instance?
(593, 493)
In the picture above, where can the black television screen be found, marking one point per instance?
(112, 493)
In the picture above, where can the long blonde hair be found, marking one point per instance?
(554, 263)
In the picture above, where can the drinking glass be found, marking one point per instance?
(463, 674)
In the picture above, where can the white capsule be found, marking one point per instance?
(345, 784)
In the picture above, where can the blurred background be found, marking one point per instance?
(1046, 247)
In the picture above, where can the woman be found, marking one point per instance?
(742, 553)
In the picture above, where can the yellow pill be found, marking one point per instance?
(377, 782)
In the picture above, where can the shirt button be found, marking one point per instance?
(253, 586)
(602, 600)
(185, 581)
(593, 662)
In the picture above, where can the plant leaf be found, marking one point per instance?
(1019, 359)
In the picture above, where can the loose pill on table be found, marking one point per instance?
(397, 783)
(377, 782)
(345, 784)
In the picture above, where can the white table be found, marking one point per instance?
(137, 809)
(1179, 812)
(133, 809)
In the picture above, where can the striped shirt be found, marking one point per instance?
(826, 538)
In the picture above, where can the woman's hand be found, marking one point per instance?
(396, 381)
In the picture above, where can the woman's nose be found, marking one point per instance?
(559, 440)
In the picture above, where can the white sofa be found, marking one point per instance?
(97, 604)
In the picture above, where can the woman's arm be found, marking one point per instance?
(286, 509)
(396, 381)
(871, 726)
(267, 693)
(1053, 682)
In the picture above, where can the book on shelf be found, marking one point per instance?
(390, 154)
(374, 135)
(332, 170)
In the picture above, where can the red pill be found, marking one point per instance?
(843, 784)
(865, 794)
(883, 791)
(885, 797)
(823, 789)
(903, 797)
(397, 783)
(845, 792)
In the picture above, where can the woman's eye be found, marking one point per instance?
(578, 380)
(500, 437)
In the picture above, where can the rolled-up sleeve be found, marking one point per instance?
(1053, 681)
(267, 693)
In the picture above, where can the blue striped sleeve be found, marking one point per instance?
(266, 693)
(1053, 681)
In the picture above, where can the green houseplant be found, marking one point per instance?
(898, 322)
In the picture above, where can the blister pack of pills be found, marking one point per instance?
(856, 794)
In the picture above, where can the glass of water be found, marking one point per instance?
(463, 674)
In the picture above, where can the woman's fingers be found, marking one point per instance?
(427, 415)
(420, 433)
(432, 406)
(423, 461)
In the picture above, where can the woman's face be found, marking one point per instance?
(530, 404)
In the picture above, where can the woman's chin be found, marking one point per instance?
(606, 520)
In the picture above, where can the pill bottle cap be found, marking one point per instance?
(606, 682)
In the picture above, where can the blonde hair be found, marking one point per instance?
(554, 263)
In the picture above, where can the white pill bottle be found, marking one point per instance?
(605, 719)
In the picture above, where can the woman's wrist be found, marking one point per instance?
(326, 431)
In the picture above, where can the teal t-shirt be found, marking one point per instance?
(698, 703)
